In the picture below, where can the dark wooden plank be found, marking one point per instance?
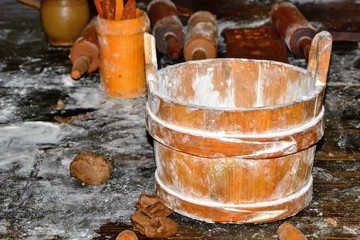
(336, 196)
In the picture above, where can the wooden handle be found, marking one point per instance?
(292, 26)
(198, 54)
(150, 59)
(119, 7)
(84, 53)
(110, 6)
(129, 11)
(100, 9)
(81, 65)
(106, 8)
(319, 57)
(31, 3)
(172, 46)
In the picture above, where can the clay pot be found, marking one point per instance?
(121, 43)
(62, 20)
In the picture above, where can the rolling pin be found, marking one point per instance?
(293, 27)
(166, 27)
(201, 35)
(84, 54)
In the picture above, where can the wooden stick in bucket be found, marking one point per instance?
(129, 11)
(119, 7)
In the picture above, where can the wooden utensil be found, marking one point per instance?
(119, 7)
(129, 10)
(201, 36)
(293, 27)
(84, 53)
(166, 27)
(105, 8)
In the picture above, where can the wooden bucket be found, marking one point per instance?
(235, 138)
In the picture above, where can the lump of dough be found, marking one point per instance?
(90, 168)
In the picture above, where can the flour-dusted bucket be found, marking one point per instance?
(235, 138)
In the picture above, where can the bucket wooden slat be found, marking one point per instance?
(245, 96)
(271, 183)
(207, 144)
(235, 138)
(237, 192)
(180, 115)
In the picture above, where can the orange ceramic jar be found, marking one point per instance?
(122, 67)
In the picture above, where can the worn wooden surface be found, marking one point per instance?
(39, 199)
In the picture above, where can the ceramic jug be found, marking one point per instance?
(62, 20)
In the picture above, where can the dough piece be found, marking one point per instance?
(90, 168)
(153, 206)
(159, 227)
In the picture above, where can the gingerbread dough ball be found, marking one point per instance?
(90, 168)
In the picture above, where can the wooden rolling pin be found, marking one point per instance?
(166, 27)
(293, 27)
(287, 231)
(201, 35)
(84, 54)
